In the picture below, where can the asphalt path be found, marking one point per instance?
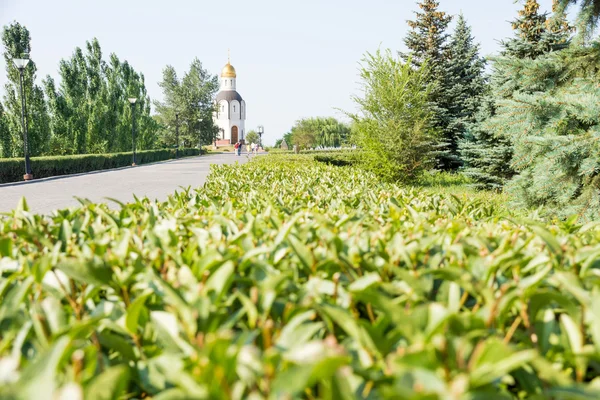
(155, 181)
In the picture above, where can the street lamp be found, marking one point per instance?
(21, 63)
(177, 135)
(261, 130)
(132, 101)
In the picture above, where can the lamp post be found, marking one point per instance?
(132, 101)
(261, 130)
(177, 135)
(21, 63)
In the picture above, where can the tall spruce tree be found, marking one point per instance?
(427, 42)
(486, 150)
(467, 80)
(554, 125)
(17, 44)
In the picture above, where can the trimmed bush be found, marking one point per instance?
(285, 278)
(12, 169)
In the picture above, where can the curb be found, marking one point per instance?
(52, 178)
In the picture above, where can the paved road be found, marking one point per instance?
(155, 181)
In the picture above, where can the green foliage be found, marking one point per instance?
(90, 110)
(587, 18)
(5, 137)
(12, 169)
(392, 127)
(252, 137)
(87, 114)
(487, 155)
(192, 98)
(17, 44)
(535, 34)
(294, 279)
(319, 132)
(485, 150)
(427, 42)
(554, 126)
(467, 82)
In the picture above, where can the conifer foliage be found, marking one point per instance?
(486, 149)
(555, 129)
(428, 45)
(588, 17)
(467, 82)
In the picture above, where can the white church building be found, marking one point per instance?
(230, 115)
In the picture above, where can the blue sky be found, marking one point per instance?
(293, 59)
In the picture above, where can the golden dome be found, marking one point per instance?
(228, 71)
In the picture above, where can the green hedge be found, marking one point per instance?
(12, 169)
(285, 278)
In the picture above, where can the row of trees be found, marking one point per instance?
(531, 127)
(538, 135)
(317, 132)
(89, 112)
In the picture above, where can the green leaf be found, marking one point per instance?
(92, 271)
(490, 372)
(134, 311)
(220, 279)
(548, 238)
(110, 384)
(40, 379)
(6, 247)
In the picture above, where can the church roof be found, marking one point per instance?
(228, 95)
(228, 71)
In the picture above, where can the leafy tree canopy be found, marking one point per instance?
(319, 132)
(188, 103)
(392, 126)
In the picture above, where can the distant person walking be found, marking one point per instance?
(248, 148)
(238, 148)
(253, 148)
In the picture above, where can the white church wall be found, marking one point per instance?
(234, 112)
(222, 113)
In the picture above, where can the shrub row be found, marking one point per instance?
(288, 278)
(12, 169)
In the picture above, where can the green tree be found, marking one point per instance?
(17, 44)
(486, 150)
(588, 16)
(554, 125)
(90, 112)
(5, 139)
(252, 137)
(304, 138)
(427, 42)
(467, 80)
(192, 99)
(392, 126)
(320, 132)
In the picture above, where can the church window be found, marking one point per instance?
(233, 108)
